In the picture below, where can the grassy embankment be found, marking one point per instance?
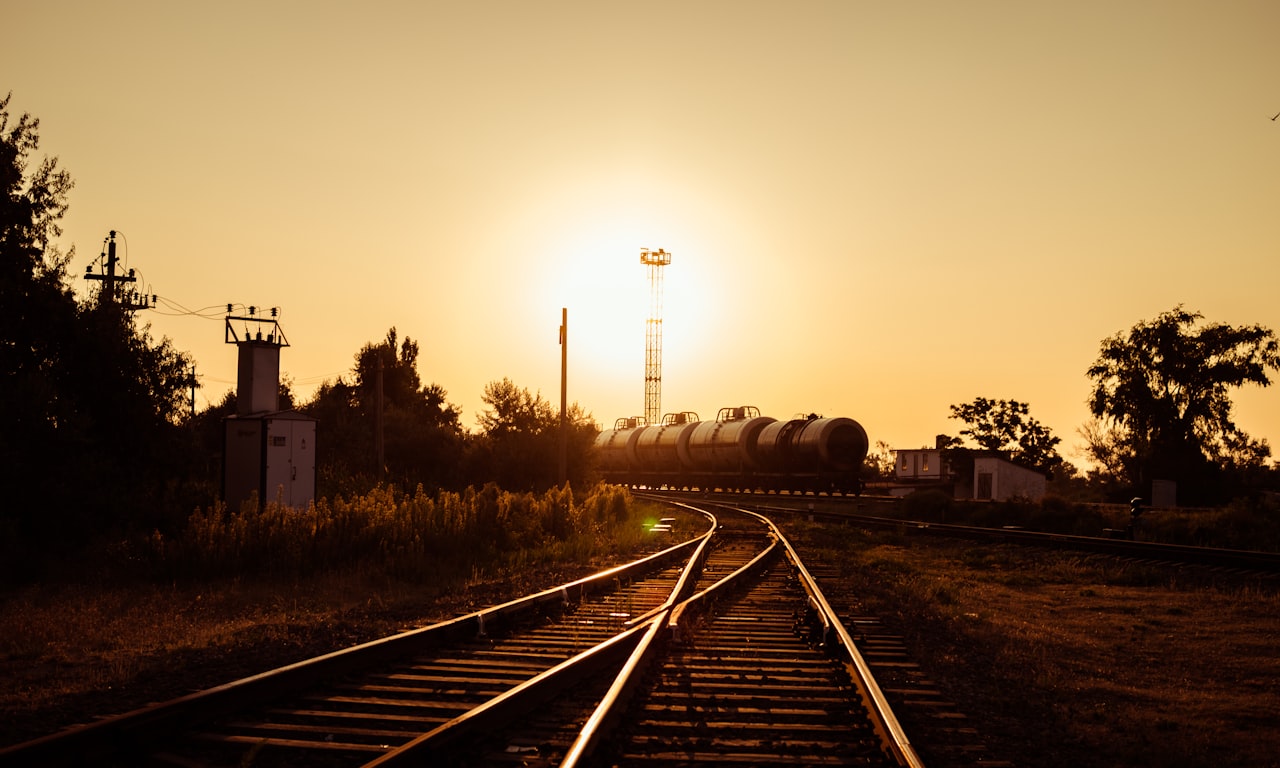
(1249, 524)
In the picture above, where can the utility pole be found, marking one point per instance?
(564, 395)
(192, 382)
(110, 294)
(654, 261)
(379, 445)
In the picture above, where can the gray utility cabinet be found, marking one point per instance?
(272, 454)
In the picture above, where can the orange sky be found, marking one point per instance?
(875, 210)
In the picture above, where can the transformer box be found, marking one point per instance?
(271, 454)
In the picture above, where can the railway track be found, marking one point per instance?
(719, 650)
(840, 510)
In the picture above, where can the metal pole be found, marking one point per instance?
(111, 268)
(564, 395)
(377, 421)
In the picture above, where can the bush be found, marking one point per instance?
(930, 506)
(1057, 515)
(413, 536)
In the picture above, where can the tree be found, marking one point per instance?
(83, 389)
(879, 464)
(1162, 395)
(1007, 426)
(422, 434)
(519, 444)
(39, 310)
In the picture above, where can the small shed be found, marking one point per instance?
(994, 477)
(998, 479)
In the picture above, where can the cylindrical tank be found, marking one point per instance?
(813, 445)
(660, 448)
(773, 445)
(726, 446)
(616, 449)
(837, 444)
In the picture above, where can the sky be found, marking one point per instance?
(874, 210)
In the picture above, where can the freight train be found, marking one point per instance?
(740, 450)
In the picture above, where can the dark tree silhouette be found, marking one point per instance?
(519, 442)
(39, 312)
(91, 404)
(422, 436)
(1162, 397)
(1007, 426)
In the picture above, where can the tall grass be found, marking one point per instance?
(1247, 523)
(411, 536)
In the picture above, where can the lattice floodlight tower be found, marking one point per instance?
(654, 261)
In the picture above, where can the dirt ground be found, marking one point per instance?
(1060, 659)
(70, 653)
(1057, 659)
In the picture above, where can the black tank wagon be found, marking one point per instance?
(739, 450)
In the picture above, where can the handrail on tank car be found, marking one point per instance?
(680, 417)
(738, 413)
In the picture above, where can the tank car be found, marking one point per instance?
(812, 454)
(615, 448)
(639, 454)
(722, 453)
(739, 450)
(662, 450)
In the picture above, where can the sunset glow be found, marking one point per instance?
(874, 210)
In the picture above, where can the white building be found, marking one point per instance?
(994, 477)
(997, 479)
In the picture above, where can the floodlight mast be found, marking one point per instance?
(654, 261)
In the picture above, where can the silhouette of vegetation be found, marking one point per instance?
(879, 464)
(517, 447)
(1163, 410)
(519, 442)
(422, 438)
(1007, 426)
(415, 537)
(91, 403)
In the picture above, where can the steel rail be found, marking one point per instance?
(620, 693)
(528, 695)
(618, 696)
(513, 703)
(1245, 559)
(894, 742)
(131, 731)
(886, 722)
(661, 627)
(1266, 562)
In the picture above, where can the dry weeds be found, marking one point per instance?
(1066, 660)
(71, 653)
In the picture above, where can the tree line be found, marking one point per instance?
(95, 437)
(424, 442)
(1161, 408)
